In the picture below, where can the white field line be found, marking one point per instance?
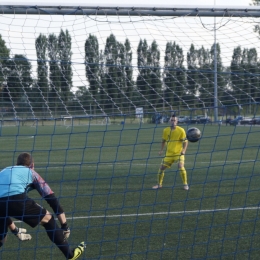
(19, 137)
(185, 212)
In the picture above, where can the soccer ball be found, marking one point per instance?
(193, 134)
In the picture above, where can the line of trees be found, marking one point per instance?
(110, 74)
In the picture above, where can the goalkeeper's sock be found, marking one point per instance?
(55, 234)
(183, 174)
(160, 177)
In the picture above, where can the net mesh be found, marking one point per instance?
(89, 96)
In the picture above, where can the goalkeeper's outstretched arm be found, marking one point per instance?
(46, 192)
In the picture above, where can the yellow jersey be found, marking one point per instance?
(174, 140)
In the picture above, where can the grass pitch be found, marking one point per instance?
(103, 176)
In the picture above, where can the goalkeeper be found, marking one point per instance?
(15, 182)
(174, 138)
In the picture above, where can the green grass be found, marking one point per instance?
(103, 176)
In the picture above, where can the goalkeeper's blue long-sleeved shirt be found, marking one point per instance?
(16, 180)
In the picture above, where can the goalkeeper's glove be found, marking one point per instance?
(21, 234)
(66, 230)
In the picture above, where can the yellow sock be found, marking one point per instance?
(183, 174)
(160, 177)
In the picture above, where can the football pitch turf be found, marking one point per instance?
(103, 177)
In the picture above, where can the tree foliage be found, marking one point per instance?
(174, 74)
(112, 72)
(111, 87)
(149, 81)
(19, 78)
(4, 56)
(92, 66)
(41, 86)
(255, 2)
(244, 79)
(128, 83)
(192, 73)
(54, 70)
(64, 54)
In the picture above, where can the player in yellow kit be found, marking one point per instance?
(174, 138)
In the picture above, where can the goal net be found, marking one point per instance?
(98, 85)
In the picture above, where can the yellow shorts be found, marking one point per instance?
(167, 161)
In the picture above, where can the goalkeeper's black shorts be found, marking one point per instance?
(22, 208)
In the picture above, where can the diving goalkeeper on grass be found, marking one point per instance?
(15, 182)
(174, 138)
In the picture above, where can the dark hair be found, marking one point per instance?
(24, 159)
(173, 115)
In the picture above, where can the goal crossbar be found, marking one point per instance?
(125, 10)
